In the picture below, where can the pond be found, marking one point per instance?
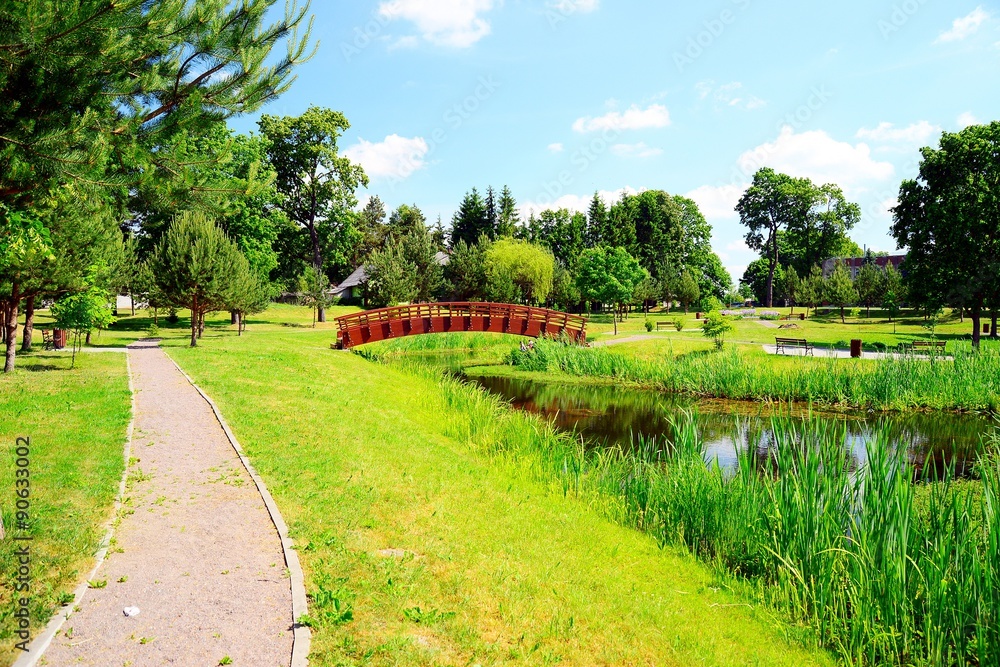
(612, 416)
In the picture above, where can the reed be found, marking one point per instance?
(969, 381)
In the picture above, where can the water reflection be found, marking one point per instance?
(614, 416)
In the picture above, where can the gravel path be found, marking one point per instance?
(199, 556)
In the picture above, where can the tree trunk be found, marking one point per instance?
(317, 263)
(614, 317)
(993, 329)
(131, 300)
(87, 340)
(842, 317)
(10, 328)
(194, 321)
(234, 317)
(773, 268)
(29, 323)
(156, 316)
(977, 316)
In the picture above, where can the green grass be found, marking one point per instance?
(76, 420)
(502, 565)
(970, 382)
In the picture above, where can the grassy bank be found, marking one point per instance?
(76, 420)
(885, 571)
(497, 561)
(970, 382)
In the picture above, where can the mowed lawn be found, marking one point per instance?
(76, 420)
(488, 568)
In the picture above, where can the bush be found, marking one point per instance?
(679, 324)
(172, 316)
(153, 331)
(770, 315)
(649, 326)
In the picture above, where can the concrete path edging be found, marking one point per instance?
(38, 646)
(301, 634)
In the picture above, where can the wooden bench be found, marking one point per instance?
(47, 342)
(660, 326)
(935, 346)
(798, 343)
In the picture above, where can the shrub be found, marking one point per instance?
(649, 325)
(770, 315)
(679, 324)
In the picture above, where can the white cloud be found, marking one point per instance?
(639, 150)
(884, 133)
(718, 203)
(556, 148)
(967, 119)
(633, 118)
(818, 156)
(729, 95)
(454, 23)
(395, 158)
(965, 26)
(577, 203)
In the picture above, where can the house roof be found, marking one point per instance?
(359, 276)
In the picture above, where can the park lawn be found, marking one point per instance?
(77, 421)
(129, 328)
(499, 569)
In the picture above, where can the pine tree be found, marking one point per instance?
(102, 87)
(597, 220)
(470, 221)
(508, 216)
(492, 213)
(195, 266)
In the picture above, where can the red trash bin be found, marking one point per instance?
(856, 349)
(59, 339)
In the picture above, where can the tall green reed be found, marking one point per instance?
(968, 381)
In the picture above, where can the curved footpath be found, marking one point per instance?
(198, 554)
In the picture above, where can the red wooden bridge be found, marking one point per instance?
(429, 318)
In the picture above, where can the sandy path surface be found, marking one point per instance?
(199, 556)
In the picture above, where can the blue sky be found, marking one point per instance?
(562, 98)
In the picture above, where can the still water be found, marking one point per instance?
(609, 416)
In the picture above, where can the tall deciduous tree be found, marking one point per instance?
(774, 202)
(949, 218)
(688, 291)
(609, 276)
(317, 184)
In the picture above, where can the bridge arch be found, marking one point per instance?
(430, 318)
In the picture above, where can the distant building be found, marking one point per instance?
(854, 264)
(352, 289)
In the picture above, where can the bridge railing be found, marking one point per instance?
(381, 320)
